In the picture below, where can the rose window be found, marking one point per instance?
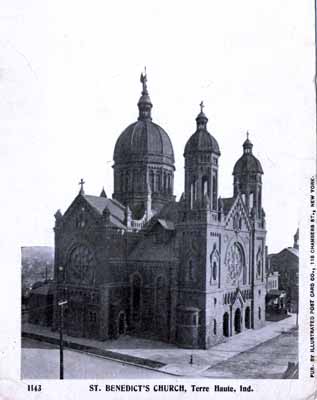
(81, 266)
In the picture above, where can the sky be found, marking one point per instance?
(69, 83)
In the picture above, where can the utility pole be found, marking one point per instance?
(61, 304)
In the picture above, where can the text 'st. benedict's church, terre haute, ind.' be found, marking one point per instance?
(188, 272)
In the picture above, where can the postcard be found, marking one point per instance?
(159, 200)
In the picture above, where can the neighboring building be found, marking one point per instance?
(286, 263)
(190, 272)
(40, 305)
(275, 298)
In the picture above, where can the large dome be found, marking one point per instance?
(247, 163)
(202, 140)
(144, 140)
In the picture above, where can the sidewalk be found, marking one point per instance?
(166, 357)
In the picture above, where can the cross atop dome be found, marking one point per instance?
(81, 183)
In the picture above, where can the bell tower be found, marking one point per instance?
(201, 167)
(247, 180)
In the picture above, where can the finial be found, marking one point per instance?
(103, 193)
(144, 103)
(143, 80)
(81, 183)
(248, 135)
(202, 106)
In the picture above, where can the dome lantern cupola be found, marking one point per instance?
(201, 118)
(247, 145)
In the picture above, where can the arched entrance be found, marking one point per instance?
(121, 323)
(237, 321)
(225, 324)
(247, 318)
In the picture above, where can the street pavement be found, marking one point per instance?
(43, 363)
(176, 360)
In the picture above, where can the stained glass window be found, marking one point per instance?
(80, 266)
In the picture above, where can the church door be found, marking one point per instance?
(237, 321)
(225, 324)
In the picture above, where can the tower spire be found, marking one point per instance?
(144, 104)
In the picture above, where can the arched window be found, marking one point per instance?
(127, 181)
(225, 324)
(251, 200)
(169, 180)
(158, 181)
(191, 272)
(214, 271)
(165, 183)
(121, 182)
(152, 181)
(192, 195)
(259, 312)
(135, 180)
(215, 327)
(205, 186)
(259, 263)
(214, 190)
(214, 265)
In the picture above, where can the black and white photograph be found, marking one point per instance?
(159, 225)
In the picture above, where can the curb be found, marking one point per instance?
(107, 354)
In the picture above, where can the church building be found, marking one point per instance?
(139, 262)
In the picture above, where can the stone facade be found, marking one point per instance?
(189, 272)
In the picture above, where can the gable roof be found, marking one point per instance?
(100, 203)
(230, 206)
(292, 250)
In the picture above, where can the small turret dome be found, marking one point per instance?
(201, 140)
(247, 163)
